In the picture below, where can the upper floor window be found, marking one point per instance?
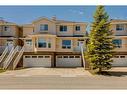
(120, 27)
(44, 27)
(6, 28)
(63, 28)
(117, 43)
(77, 28)
(66, 44)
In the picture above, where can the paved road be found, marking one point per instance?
(59, 81)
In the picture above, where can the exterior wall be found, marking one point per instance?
(53, 44)
(119, 33)
(69, 32)
(59, 44)
(71, 29)
(51, 26)
(124, 45)
(13, 31)
(82, 29)
(74, 44)
(27, 30)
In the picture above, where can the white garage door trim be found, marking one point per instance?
(37, 61)
(68, 61)
(120, 61)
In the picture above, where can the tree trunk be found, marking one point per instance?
(100, 70)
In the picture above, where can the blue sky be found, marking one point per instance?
(26, 14)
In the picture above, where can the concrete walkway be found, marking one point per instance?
(63, 72)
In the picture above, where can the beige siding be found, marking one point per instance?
(27, 31)
(69, 32)
(82, 29)
(122, 33)
(13, 31)
(51, 26)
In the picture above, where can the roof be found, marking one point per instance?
(3, 22)
(57, 21)
(116, 21)
(74, 22)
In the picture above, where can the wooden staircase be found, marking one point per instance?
(3, 56)
(18, 57)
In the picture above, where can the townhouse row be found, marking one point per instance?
(53, 43)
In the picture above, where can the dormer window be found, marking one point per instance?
(77, 28)
(44, 27)
(63, 28)
(120, 27)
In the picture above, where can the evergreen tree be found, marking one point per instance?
(99, 48)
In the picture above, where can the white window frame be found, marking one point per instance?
(119, 27)
(43, 27)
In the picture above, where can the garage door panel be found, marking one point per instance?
(38, 61)
(120, 61)
(71, 61)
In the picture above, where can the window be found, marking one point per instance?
(77, 28)
(44, 27)
(65, 56)
(29, 42)
(42, 43)
(59, 56)
(116, 56)
(34, 56)
(63, 28)
(117, 43)
(77, 56)
(120, 27)
(122, 56)
(27, 56)
(40, 56)
(6, 28)
(66, 44)
(71, 56)
(47, 56)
